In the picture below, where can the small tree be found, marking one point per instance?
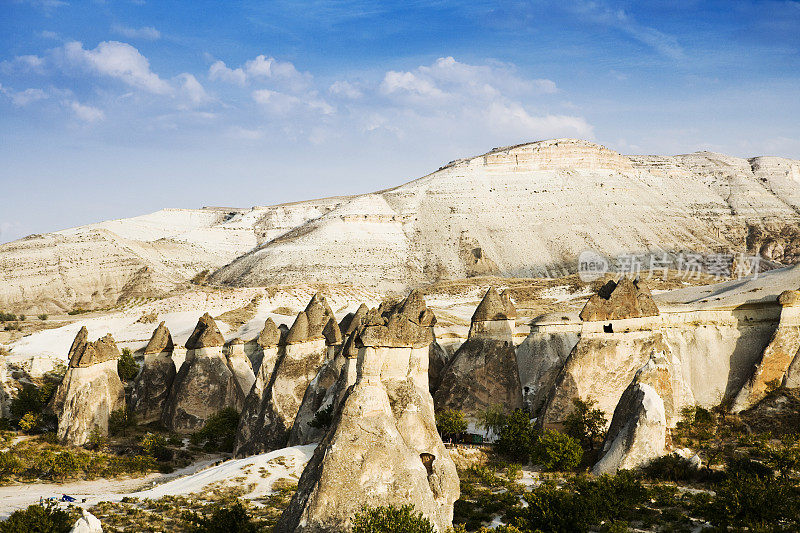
(391, 519)
(517, 437)
(120, 420)
(219, 431)
(556, 451)
(451, 422)
(127, 368)
(493, 419)
(586, 423)
(47, 517)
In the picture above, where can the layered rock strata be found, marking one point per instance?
(382, 447)
(151, 387)
(204, 385)
(484, 369)
(90, 390)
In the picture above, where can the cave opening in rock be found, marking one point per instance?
(608, 328)
(427, 460)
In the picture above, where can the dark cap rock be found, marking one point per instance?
(92, 353)
(492, 307)
(615, 301)
(205, 335)
(160, 341)
(269, 336)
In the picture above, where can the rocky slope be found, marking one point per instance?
(526, 210)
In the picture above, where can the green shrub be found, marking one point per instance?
(47, 518)
(755, 503)
(671, 467)
(97, 441)
(586, 423)
(493, 418)
(121, 420)
(7, 317)
(582, 505)
(233, 519)
(391, 519)
(32, 399)
(127, 368)
(556, 451)
(450, 422)
(156, 446)
(30, 423)
(42, 317)
(517, 437)
(219, 431)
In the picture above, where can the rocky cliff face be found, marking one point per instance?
(484, 370)
(269, 417)
(773, 369)
(382, 447)
(204, 385)
(618, 300)
(240, 365)
(151, 387)
(444, 225)
(90, 390)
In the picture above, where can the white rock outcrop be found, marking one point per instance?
(639, 428)
(87, 523)
(779, 356)
(382, 447)
(90, 390)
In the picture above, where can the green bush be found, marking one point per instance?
(219, 431)
(391, 519)
(127, 368)
(755, 503)
(156, 446)
(450, 422)
(97, 441)
(233, 519)
(121, 420)
(671, 467)
(31, 399)
(47, 518)
(42, 317)
(493, 418)
(586, 423)
(556, 451)
(7, 317)
(517, 437)
(582, 505)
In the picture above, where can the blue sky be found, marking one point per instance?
(115, 108)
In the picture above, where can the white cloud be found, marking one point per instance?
(262, 68)
(278, 103)
(23, 98)
(118, 60)
(47, 34)
(148, 33)
(193, 91)
(409, 83)
(345, 89)
(219, 71)
(26, 63)
(86, 113)
(513, 118)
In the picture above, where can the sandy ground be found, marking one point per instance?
(258, 473)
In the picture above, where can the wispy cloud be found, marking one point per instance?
(148, 33)
(599, 12)
(86, 113)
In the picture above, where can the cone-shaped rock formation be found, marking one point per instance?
(614, 301)
(268, 419)
(204, 384)
(638, 431)
(152, 385)
(90, 390)
(382, 447)
(483, 371)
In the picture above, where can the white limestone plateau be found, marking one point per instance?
(525, 210)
